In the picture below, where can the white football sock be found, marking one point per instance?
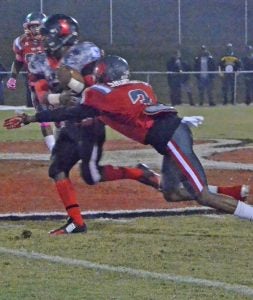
(244, 211)
(213, 188)
(50, 141)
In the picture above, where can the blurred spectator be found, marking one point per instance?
(247, 65)
(229, 63)
(178, 81)
(2, 76)
(203, 63)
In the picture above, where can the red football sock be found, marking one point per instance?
(233, 191)
(110, 173)
(68, 196)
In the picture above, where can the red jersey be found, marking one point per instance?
(24, 47)
(122, 107)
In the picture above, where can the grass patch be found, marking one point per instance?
(196, 246)
(221, 122)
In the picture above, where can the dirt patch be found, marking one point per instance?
(26, 187)
(238, 156)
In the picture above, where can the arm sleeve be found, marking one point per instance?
(76, 113)
(16, 68)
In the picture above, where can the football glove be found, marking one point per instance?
(11, 83)
(193, 121)
(16, 121)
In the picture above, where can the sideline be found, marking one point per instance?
(115, 214)
(12, 107)
(235, 288)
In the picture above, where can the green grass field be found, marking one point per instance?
(229, 122)
(194, 257)
(183, 258)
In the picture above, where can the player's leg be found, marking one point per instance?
(90, 152)
(47, 132)
(193, 176)
(46, 129)
(64, 157)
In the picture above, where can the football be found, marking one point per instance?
(70, 79)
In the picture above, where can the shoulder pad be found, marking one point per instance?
(158, 109)
(80, 55)
(104, 89)
(37, 63)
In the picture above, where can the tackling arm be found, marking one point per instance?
(76, 113)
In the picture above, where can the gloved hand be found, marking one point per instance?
(193, 121)
(16, 121)
(67, 98)
(11, 83)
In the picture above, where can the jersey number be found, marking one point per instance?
(139, 96)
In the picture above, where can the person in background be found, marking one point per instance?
(178, 81)
(228, 65)
(3, 74)
(204, 63)
(247, 65)
(24, 46)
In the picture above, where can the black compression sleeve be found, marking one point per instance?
(75, 113)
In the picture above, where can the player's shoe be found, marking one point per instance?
(149, 177)
(69, 228)
(239, 192)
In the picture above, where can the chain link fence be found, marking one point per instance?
(145, 32)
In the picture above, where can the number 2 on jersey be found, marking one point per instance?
(139, 96)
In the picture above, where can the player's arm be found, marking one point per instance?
(15, 69)
(75, 113)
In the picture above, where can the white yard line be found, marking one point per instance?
(234, 288)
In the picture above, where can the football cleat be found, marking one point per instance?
(149, 177)
(69, 228)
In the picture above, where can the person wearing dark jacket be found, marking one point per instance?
(205, 63)
(3, 74)
(247, 65)
(178, 80)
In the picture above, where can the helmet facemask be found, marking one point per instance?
(32, 24)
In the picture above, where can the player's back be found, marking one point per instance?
(122, 105)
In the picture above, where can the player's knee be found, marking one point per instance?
(55, 173)
(90, 177)
(87, 178)
(203, 197)
(171, 196)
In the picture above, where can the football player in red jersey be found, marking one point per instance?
(24, 46)
(131, 108)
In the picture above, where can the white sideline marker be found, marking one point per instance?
(238, 289)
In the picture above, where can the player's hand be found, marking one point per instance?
(193, 121)
(11, 83)
(67, 98)
(16, 121)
